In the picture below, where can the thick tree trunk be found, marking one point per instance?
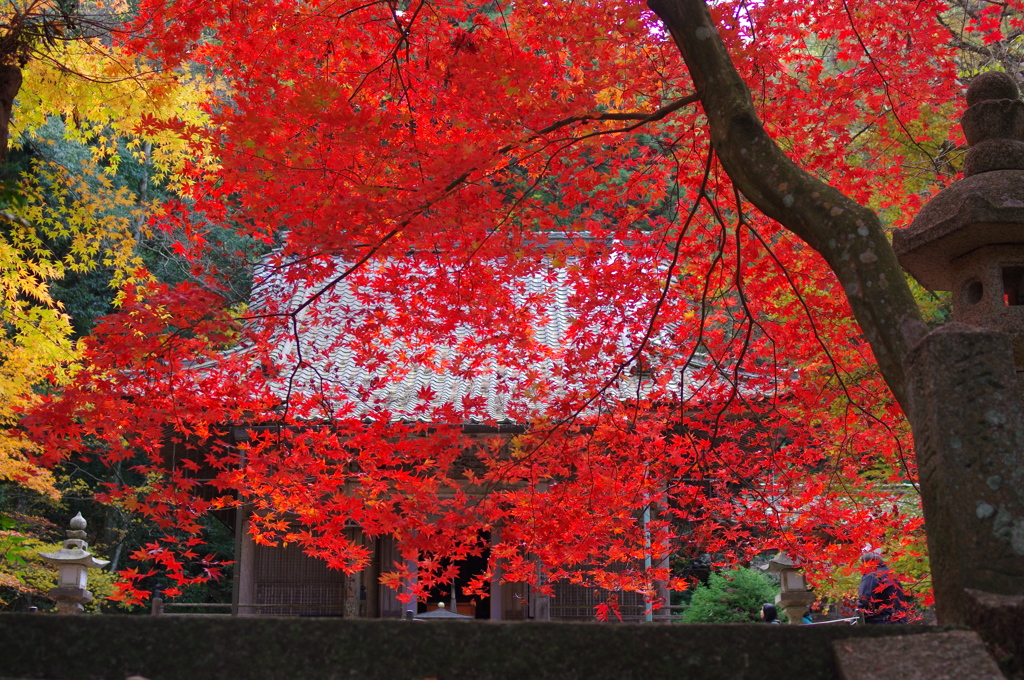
(10, 83)
(848, 235)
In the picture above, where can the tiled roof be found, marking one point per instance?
(326, 359)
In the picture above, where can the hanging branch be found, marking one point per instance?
(848, 235)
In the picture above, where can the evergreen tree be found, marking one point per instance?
(733, 596)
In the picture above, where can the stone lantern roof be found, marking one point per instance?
(75, 550)
(780, 563)
(441, 613)
(984, 208)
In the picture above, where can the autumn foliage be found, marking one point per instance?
(431, 176)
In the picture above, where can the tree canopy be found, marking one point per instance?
(705, 191)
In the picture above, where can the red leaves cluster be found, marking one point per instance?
(415, 164)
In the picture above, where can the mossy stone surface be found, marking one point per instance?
(53, 647)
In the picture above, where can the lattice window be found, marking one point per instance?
(572, 602)
(290, 583)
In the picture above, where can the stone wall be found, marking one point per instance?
(191, 648)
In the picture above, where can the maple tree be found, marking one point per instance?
(432, 176)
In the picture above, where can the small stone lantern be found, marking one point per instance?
(794, 596)
(72, 561)
(969, 239)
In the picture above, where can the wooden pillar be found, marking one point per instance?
(245, 569)
(496, 606)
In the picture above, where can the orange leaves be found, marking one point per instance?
(126, 591)
(605, 610)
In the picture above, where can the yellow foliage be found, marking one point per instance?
(109, 103)
(35, 342)
(104, 96)
(98, 218)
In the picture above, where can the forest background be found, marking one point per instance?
(430, 157)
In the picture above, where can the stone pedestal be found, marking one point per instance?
(1000, 619)
(969, 435)
(795, 604)
(70, 599)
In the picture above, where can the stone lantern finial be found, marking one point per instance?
(72, 560)
(77, 524)
(993, 125)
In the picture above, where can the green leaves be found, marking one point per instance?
(11, 542)
(733, 596)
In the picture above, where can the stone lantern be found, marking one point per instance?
(964, 379)
(72, 561)
(794, 595)
(969, 239)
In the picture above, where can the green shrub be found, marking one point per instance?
(733, 596)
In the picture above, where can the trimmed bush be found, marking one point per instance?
(733, 596)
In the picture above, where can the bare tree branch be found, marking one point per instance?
(10, 83)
